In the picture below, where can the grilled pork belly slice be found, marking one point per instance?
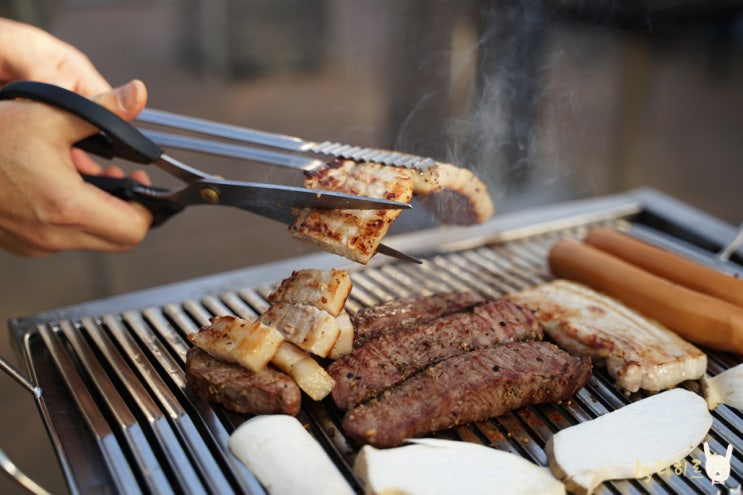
(397, 314)
(638, 353)
(248, 343)
(469, 387)
(239, 389)
(324, 289)
(353, 234)
(452, 194)
(307, 326)
(389, 359)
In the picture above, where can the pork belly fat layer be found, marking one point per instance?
(325, 289)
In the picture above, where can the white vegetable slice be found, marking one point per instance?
(725, 388)
(636, 440)
(285, 458)
(430, 466)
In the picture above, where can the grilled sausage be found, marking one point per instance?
(668, 265)
(697, 317)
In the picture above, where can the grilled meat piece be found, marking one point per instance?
(452, 194)
(325, 289)
(249, 343)
(638, 353)
(469, 387)
(238, 389)
(389, 359)
(397, 314)
(309, 327)
(353, 234)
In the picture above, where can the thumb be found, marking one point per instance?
(126, 101)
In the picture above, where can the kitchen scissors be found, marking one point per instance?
(120, 139)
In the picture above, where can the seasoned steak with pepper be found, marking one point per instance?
(389, 359)
(239, 389)
(470, 387)
(397, 314)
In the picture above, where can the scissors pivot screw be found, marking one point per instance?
(210, 195)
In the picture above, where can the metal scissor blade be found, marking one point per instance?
(250, 194)
(284, 215)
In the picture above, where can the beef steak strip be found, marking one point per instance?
(239, 389)
(389, 359)
(470, 387)
(397, 314)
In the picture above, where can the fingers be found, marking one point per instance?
(48, 240)
(89, 219)
(85, 165)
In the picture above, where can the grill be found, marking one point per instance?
(122, 420)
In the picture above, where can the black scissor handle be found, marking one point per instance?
(131, 190)
(118, 138)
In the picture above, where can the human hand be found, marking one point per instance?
(45, 206)
(29, 53)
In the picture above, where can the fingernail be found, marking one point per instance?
(126, 95)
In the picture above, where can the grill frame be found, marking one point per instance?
(109, 444)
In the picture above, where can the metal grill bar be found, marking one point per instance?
(184, 431)
(112, 453)
(123, 418)
(206, 433)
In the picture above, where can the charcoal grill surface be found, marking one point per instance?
(122, 420)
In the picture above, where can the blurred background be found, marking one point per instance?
(545, 100)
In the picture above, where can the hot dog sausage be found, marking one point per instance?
(668, 265)
(697, 317)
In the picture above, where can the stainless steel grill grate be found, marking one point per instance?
(122, 420)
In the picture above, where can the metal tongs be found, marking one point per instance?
(119, 139)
